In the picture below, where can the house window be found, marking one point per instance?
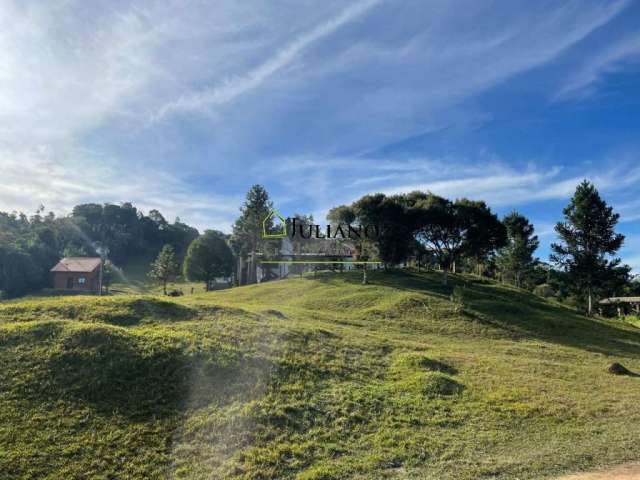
(81, 280)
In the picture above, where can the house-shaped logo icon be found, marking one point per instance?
(280, 231)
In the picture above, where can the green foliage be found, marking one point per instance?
(247, 236)
(208, 257)
(248, 228)
(452, 230)
(516, 258)
(164, 267)
(343, 214)
(108, 272)
(395, 235)
(544, 290)
(420, 223)
(126, 233)
(588, 243)
(30, 246)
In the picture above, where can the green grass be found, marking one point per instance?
(314, 378)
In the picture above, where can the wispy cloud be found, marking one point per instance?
(306, 88)
(231, 88)
(583, 83)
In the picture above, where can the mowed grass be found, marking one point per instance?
(314, 378)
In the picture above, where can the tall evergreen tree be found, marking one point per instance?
(588, 244)
(516, 258)
(247, 239)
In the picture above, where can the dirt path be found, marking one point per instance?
(624, 472)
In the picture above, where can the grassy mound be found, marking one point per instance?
(114, 310)
(314, 378)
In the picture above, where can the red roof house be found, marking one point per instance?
(80, 274)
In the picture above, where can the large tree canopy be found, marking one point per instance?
(452, 230)
(418, 223)
(208, 258)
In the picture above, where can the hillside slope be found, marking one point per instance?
(314, 378)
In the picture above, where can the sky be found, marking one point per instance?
(183, 105)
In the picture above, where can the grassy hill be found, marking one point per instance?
(314, 378)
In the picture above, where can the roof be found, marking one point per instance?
(77, 264)
(606, 301)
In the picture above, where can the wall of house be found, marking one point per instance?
(91, 282)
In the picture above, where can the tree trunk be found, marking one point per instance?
(164, 286)
(589, 304)
(364, 274)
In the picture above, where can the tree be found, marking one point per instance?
(343, 214)
(208, 257)
(164, 267)
(247, 239)
(485, 232)
(107, 274)
(588, 243)
(453, 229)
(516, 258)
(394, 242)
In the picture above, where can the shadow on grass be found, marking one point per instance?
(532, 316)
(517, 312)
(406, 280)
(118, 374)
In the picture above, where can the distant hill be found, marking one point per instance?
(314, 378)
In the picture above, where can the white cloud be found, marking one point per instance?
(234, 87)
(37, 177)
(583, 82)
(79, 81)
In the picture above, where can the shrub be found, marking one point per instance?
(545, 290)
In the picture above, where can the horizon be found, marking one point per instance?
(183, 108)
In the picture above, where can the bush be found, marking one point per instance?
(545, 290)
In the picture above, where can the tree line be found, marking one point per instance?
(420, 229)
(462, 235)
(31, 245)
(466, 236)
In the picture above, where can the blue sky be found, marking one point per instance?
(182, 105)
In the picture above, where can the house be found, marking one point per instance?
(622, 304)
(78, 274)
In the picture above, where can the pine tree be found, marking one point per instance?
(165, 266)
(588, 243)
(516, 258)
(247, 239)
